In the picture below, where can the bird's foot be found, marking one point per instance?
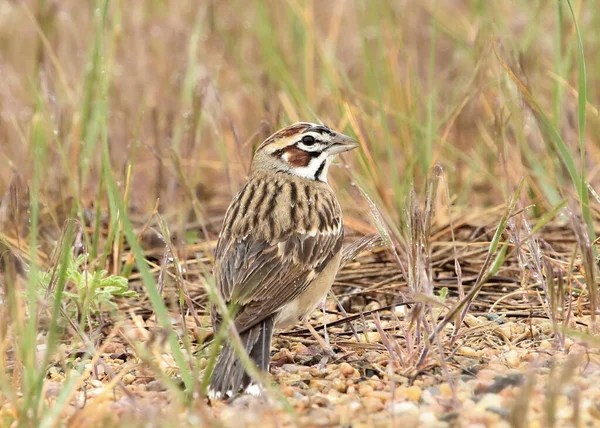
(327, 349)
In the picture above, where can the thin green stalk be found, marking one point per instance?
(57, 301)
(31, 387)
(582, 100)
(558, 64)
(149, 282)
(426, 153)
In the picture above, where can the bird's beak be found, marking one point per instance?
(341, 143)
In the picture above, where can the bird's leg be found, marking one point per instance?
(325, 333)
(323, 343)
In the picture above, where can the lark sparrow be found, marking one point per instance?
(280, 245)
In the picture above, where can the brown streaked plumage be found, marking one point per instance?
(280, 245)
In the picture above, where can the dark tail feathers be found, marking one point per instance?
(229, 376)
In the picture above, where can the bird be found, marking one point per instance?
(279, 248)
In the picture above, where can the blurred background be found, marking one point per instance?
(182, 92)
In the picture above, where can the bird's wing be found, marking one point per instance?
(261, 271)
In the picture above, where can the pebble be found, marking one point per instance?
(427, 397)
(489, 400)
(428, 419)
(445, 390)
(339, 385)
(413, 393)
(114, 348)
(290, 368)
(404, 407)
(155, 385)
(365, 390)
(95, 392)
(512, 358)
(52, 389)
(373, 337)
(354, 388)
(95, 383)
(348, 371)
(287, 390)
(373, 404)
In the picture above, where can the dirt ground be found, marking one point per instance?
(507, 365)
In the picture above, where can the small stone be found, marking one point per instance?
(355, 405)
(373, 337)
(489, 401)
(317, 385)
(365, 390)
(413, 393)
(203, 363)
(427, 397)
(400, 310)
(95, 383)
(347, 370)
(138, 334)
(500, 383)
(382, 395)
(546, 327)
(55, 375)
(512, 358)
(577, 349)
(334, 395)
(95, 392)
(290, 368)
(287, 390)
(405, 408)
(320, 401)
(504, 331)
(472, 321)
(52, 389)
(128, 379)
(339, 385)
(155, 385)
(445, 390)
(427, 419)
(114, 348)
(315, 372)
(374, 305)
(594, 410)
(373, 404)
(331, 318)
(317, 417)
(467, 351)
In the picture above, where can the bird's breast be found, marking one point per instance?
(305, 304)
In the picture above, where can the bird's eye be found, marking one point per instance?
(308, 140)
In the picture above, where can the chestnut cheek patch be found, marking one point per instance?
(296, 157)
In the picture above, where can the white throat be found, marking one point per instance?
(316, 169)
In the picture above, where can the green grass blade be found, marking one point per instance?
(581, 108)
(149, 282)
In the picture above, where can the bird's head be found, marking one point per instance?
(303, 149)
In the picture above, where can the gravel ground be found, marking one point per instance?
(500, 374)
